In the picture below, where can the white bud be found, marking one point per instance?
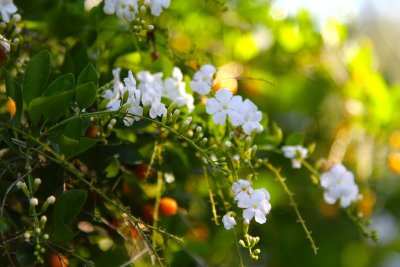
(43, 219)
(228, 144)
(17, 30)
(45, 236)
(16, 17)
(27, 235)
(177, 112)
(37, 230)
(51, 200)
(37, 181)
(248, 139)
(3, 25)
(113, 121)
(16, 40)
(236, 157)
(142, 9)
(33, 201)
(150, 27)
(20, 185)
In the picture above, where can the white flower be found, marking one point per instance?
(113, 95)
(241, 188)
(251, 117)
(339, 185)
(156, 6)
(256, 205)
(7, 8)
(203, 79)
(229, 221)
(157, 109)
(225, 104)
(151, 86)
(134, 108)
(296, 153)
(174, 89)
(110, 6)
(126, 10)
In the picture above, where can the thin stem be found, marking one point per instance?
(293, 203)
(311, 169)
(210, 194)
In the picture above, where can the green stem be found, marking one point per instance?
(210, 194)
(293, 203)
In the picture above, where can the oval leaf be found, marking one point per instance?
(85, 95)
(68, 206)
(36, 76)
(88, 74)
(65, 82)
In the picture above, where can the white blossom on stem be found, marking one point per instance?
(229, 221)
(339, 184)
(225, 104)
(256, 205)
(7, 8)
(251, 117)
(296, 154)
(203, 79)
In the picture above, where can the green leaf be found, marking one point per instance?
(68, 206)
(36, 75)
(61, 234)
(25, 254)
(295, 139)
(84, 144)
(112, 169)
(63, 83)
(74, 128)
(50, 107)
(88, 74)
(9, 84)
(85, 94)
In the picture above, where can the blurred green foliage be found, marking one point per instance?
(321, 82)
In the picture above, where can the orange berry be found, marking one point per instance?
(58, 260)
(394, 162)
(11, 106)
(92, 131)
(168, 206)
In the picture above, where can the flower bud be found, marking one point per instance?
(228, 144)
(33, 201)
(51, 200)
(45, 236)
(20, 185)
(37, 181)
(150, 27)
(27, 236)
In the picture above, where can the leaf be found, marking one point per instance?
(50, 107)
(36, 75)
(84, 144)
(68, 206)
(25, 254)
(61, 234)
(65, 82)
(112, 169)
(85, 94)
(9, 84)
(88, 74)
(74, 128)
(295, 139)
(19, 102)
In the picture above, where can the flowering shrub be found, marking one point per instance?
(109, 144)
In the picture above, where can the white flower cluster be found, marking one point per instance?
(255, 203)
(148, 92)
(241, 113)
(7, 8)
(224, 104)
(128, 10)
(296, 153)
(339, 184)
